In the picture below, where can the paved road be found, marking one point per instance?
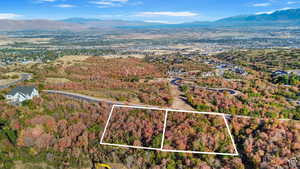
(231, 91)
(24, 76)
(93, 99)
(90, 99)
(81, 97)
(174, 81)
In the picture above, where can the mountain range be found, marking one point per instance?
(289, 17)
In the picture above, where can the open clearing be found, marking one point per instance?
(179, 101)
(140, 56)
(71, 59)
(22, 165)
(57, 80)
(4, 40)
(139, 36)
(7, 81)
(10, 78)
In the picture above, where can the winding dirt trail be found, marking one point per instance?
(179, 101)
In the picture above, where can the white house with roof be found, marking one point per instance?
(22, 93)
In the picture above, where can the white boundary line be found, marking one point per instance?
(198, 152)
(170, 110)
(196, 112)
(140, 107)
(128, 146)
(106, 125)
(231, 137)
(164, 130)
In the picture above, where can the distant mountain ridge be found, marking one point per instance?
(80, 20)
(280, 15)
(40, 24)
(71, 24)
(289, 17)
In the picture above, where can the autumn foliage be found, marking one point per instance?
(120, 79)
(197, 132)
(256, 98)
(136, 127)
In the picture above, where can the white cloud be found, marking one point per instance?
(109, 3)
(283, 9)
(292, 2)
(262, 4)
(266, 12)
(165, 13)
(65, 6)
(270, 12)
(162, 22)
(109, 16)
(122, 1)
(47, 0)
(137, 3)
(103, 3)
(9, 16)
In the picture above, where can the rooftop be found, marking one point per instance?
(27, 90)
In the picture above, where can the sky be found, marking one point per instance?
(164, 11)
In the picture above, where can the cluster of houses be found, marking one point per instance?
(168, 59)
(283, 73)
(176, 72)
(221, 67)
(230, 67)
(10, 61)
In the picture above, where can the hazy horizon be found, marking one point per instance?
(138, 10)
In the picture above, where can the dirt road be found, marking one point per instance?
(178, 96)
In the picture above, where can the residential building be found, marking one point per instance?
(21, 94)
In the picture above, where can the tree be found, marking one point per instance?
(7, 132)
(271, 114)
(2, 97)
(171, 164)
(157, 141)
(202, 107)
(297, 115)
(293, 80)
(184, 88)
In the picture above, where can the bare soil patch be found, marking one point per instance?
(123, 56)
(57, 80)
(9, 78)
(71, 59)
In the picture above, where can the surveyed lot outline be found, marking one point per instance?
(164, 130)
